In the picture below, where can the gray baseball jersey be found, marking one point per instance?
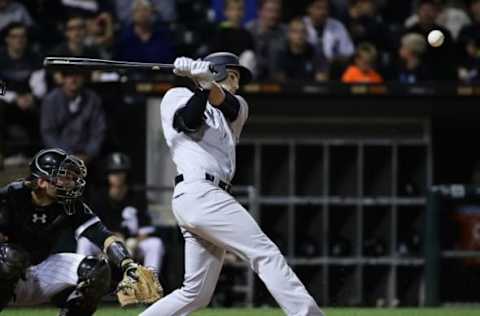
(212, 148)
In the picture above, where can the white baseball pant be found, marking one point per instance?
(212, 221)
(48, 278)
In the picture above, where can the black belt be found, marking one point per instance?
(221, 184)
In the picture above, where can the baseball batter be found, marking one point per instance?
(33, 213)
(201, 128)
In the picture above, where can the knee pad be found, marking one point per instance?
(94, 273)
(94, 277)
(14, 260)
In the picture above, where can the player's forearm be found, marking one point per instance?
(112, 245)
(117, 252)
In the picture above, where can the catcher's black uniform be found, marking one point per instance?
(36, 229)
(29, 273)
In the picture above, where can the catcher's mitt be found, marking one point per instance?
(140, 285)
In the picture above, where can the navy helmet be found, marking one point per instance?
(223, 61)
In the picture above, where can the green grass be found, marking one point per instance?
(266, 312)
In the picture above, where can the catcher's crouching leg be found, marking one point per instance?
(13, 263)
(94, 278)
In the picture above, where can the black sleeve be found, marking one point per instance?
(83, 217)
(190, 117)
(230, 106)
(97, 233)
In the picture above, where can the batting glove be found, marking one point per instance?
(183, 66)
(202, 74)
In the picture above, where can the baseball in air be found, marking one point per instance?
(436, 38)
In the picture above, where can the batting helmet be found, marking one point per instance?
(223, 61)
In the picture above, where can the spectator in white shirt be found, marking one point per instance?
(328, 35)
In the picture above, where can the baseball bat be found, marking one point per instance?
(79, 63)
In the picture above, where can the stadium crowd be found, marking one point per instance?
(348, 40)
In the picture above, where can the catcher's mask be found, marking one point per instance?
(65, 172)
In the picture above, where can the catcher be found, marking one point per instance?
(33, 214)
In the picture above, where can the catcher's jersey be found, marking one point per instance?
(212, 148)
(35, 228)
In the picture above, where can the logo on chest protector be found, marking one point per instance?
(42, 218)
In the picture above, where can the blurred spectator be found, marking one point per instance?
(49, 16)
(454, 17)
(193, 29)
(469, 46)
(250, 10)
(328, 35)
(396, 12)
(411, 69)
(12, 11)
(339, 9)
(267, 31)
(72, 118)
(19, 64)
(165, 9)
(366, 24)
(428, 11)
(231, 36)
(100, 33)
(143, 40)
(86, 7)
(451, 15)
(125, 213)
(75, 45)
(296, 60)
(98, 20)
(363, 68)
(21, 126)
(75, 33)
